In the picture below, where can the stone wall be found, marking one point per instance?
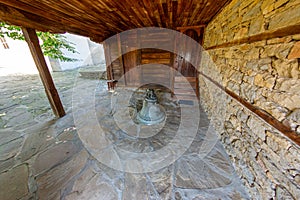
(266, 73)
(241, 19)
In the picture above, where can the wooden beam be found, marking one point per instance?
(37, 54)
(269, 119)
(282, 32)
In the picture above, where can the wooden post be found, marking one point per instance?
(37, 54)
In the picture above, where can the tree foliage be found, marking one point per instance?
(52, 44)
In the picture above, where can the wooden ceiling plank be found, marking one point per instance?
(197, 11)
(161, 15)
(166, 13)
(25, 19)
(189, 8)
(104, 18)
(174, 13)
(79, 14)
(156, 14)
(224, 3)
(151, 9)
(170, 9)
(137, 15)
(209, 9)
(182, 13)
(17, 17)
(126, 12)
(50, 15)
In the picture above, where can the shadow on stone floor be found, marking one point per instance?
(44, 158)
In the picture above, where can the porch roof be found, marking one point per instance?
(100, 19)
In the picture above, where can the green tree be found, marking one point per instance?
(52, 44)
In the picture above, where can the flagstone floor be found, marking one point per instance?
(98, 151)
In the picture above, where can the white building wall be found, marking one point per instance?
(90, 53)
(18, 60)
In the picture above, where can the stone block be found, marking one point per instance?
(283, 70)
(8, 135)
(283, 50)
(269, 51)
(11, 148)
(235, 21)
(248, 79)
(297, 179)
(294, 115)
(55, 155)
(280, 3)
(135, 187)
(7, 164)
(267, 6)
(237, 77)
(193, 173)
(282, 193)
(264, 80)
(295, 52)
(288, 85)
(264, 61)
(253, 54)
(54, 180)
(281, 178)
(233, 87)
(295, 72)
(94, 191)
(257, 127)
(38, 139)
(280, 40)
(253, 12)
(273, 108)
(162, 182)
(296, 37)
(242, 32)
(290, 16)
(292, 155)
(256, 26)
(14, 183)
(289, 101)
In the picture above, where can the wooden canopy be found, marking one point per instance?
(100, 19)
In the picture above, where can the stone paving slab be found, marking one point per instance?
(45, 158)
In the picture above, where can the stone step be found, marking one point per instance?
(93, 74)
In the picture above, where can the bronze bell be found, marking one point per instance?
(151, 112)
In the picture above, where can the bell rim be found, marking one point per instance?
(150, 122)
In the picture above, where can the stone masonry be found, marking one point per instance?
(266, 73)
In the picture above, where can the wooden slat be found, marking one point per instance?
(103, 18)
(156, 55)
(182, 79)
(37, 54)
(159, 61)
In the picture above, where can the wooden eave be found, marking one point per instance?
(100, 19)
